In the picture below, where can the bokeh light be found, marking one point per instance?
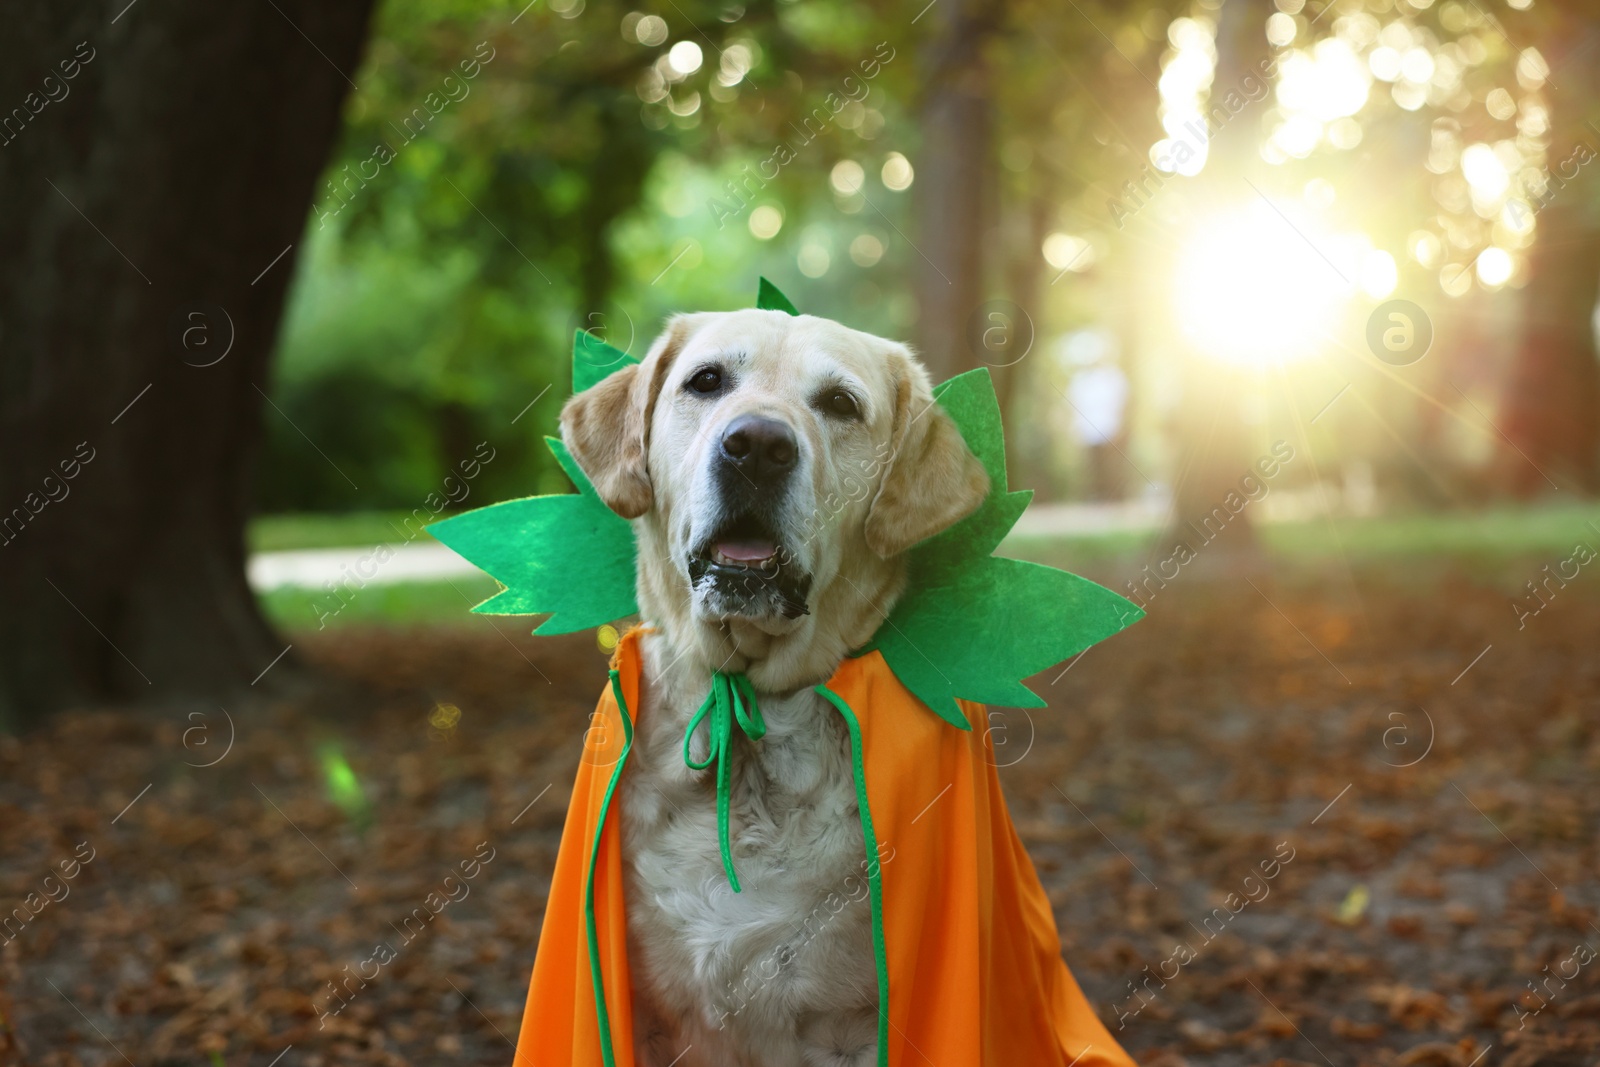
(897, 174)
(847, 177)
(685, 57)
(765, 222)
(1186, 76)
(650, 30)
(1065, 251)
(866, 250)
(813, 259)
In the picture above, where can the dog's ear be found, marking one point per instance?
(607, 426)
(933, 480)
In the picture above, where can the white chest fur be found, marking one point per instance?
(780, 974)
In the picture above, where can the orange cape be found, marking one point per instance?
(969, 961)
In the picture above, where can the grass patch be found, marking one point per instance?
(343, 529)
(401, 604)
(1501, 532)
(1497, 534)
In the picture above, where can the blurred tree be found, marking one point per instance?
(1211, 428)
(956, 170)
(1508, 95)
(157, 163)
(673, 148)
(1552, 400)
(467, 224)
(1074, 112)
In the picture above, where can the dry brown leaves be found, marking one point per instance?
(1308, 845)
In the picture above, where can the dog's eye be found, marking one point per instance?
(705, 381)
(839, 402)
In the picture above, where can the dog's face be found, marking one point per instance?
(775, 460)
(767, 437)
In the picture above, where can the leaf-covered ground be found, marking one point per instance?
(1408, 830)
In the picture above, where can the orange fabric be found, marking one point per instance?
(975, 968)
(559, 1024)
(974, 963)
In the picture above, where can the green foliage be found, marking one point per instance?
(511, 173)
(487, 154)
(391, 373)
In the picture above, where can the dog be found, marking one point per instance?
(779, 468)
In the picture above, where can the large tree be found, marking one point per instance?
(1214, 441)
(157, 160)
(1552, 401)
(956, 116)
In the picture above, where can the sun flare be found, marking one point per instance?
(1254, 289)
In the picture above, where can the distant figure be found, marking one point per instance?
(1099, 393)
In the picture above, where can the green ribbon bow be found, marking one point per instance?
(732, 698)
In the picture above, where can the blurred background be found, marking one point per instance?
(1291, 309)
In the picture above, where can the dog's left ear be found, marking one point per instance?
(933, 480)
(607, 426)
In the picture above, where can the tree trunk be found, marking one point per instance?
(1552, 399)
(952, 176)
(156, 173)
(1215, 452)
(1022, 353)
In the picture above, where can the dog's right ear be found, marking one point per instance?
(933, 480)
(607, 426)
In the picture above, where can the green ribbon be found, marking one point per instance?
(732, 699)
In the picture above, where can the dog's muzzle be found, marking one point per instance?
(744, 568)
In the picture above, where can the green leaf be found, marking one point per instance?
(593, 360)
(970, 401)
(973, 625)
(564, 553)
(768, 298)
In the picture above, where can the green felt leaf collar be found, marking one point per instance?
(971, 625)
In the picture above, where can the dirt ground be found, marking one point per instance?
(1300, 823)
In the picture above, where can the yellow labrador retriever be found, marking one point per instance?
(778, 466)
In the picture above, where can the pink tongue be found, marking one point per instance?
(747, 551)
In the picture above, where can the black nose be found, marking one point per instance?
(758, 446)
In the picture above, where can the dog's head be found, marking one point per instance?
(780, 466)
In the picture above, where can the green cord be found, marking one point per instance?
(603, 1016)
(880, 950)
(732, 698)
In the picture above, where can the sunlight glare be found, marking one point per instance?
(1379, 274)
(1251, 291)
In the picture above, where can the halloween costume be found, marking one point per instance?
(966, 949)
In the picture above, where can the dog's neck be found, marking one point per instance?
(845, 613)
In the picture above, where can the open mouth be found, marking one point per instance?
(744, 542)
(742, 569)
